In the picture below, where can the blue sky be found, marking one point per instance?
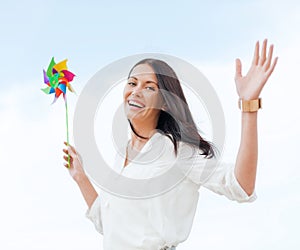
(93, 33)
(41, 206)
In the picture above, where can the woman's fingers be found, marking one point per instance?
(70, 150)
(269, 59)
(66, 158)
(70, 155)
(66, 151)
(256, 54)
(270, 70)
(70, 146)
(66, 165)
(262, 58)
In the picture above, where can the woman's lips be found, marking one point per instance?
(135, 104)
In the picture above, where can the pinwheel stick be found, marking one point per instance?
(67, 127)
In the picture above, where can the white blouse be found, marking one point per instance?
(164, 220)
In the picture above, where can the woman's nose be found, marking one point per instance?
(137, 91)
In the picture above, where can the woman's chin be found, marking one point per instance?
(135, 115)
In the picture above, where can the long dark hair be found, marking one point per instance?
(177, 120)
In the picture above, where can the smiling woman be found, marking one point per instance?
(164, 136)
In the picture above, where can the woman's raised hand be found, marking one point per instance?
(250, 86)
(75, 167)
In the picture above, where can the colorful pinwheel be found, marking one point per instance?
(58, 80)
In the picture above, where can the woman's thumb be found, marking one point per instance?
(238, 68)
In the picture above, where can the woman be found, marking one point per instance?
(157, 111)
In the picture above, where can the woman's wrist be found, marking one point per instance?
(80, 178)
(252, 105)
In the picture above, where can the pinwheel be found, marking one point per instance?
(58, 78)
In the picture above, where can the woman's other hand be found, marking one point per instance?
(75, 168)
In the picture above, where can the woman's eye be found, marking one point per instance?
(131, 83)
(150, 88)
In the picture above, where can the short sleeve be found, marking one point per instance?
(94, 214)
(213, 174)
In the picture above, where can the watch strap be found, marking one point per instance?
(250, 105)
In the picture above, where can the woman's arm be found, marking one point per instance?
(249, 87)
(246, 162)
(76, 171)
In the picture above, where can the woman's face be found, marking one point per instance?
(142, 99)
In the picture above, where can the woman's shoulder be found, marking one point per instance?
(165, 141)
(184, 149)
(166, 137)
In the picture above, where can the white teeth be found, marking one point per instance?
(135, 104)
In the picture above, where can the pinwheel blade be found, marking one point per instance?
(58, 92)
(69, 75)
(63, 80)
(46, 79)
(48, 90)
(54, 101)
(61, 66)
(49, 70)
(70, 88)
(62, 87)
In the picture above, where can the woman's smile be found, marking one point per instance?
(135, 104)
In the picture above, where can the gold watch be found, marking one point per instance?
(250, 105)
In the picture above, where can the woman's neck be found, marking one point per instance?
(145, 130)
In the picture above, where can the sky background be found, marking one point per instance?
(41, 207)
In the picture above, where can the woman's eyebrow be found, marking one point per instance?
(149, 81)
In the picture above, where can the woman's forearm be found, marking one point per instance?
(88, 191)
(246, 161)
